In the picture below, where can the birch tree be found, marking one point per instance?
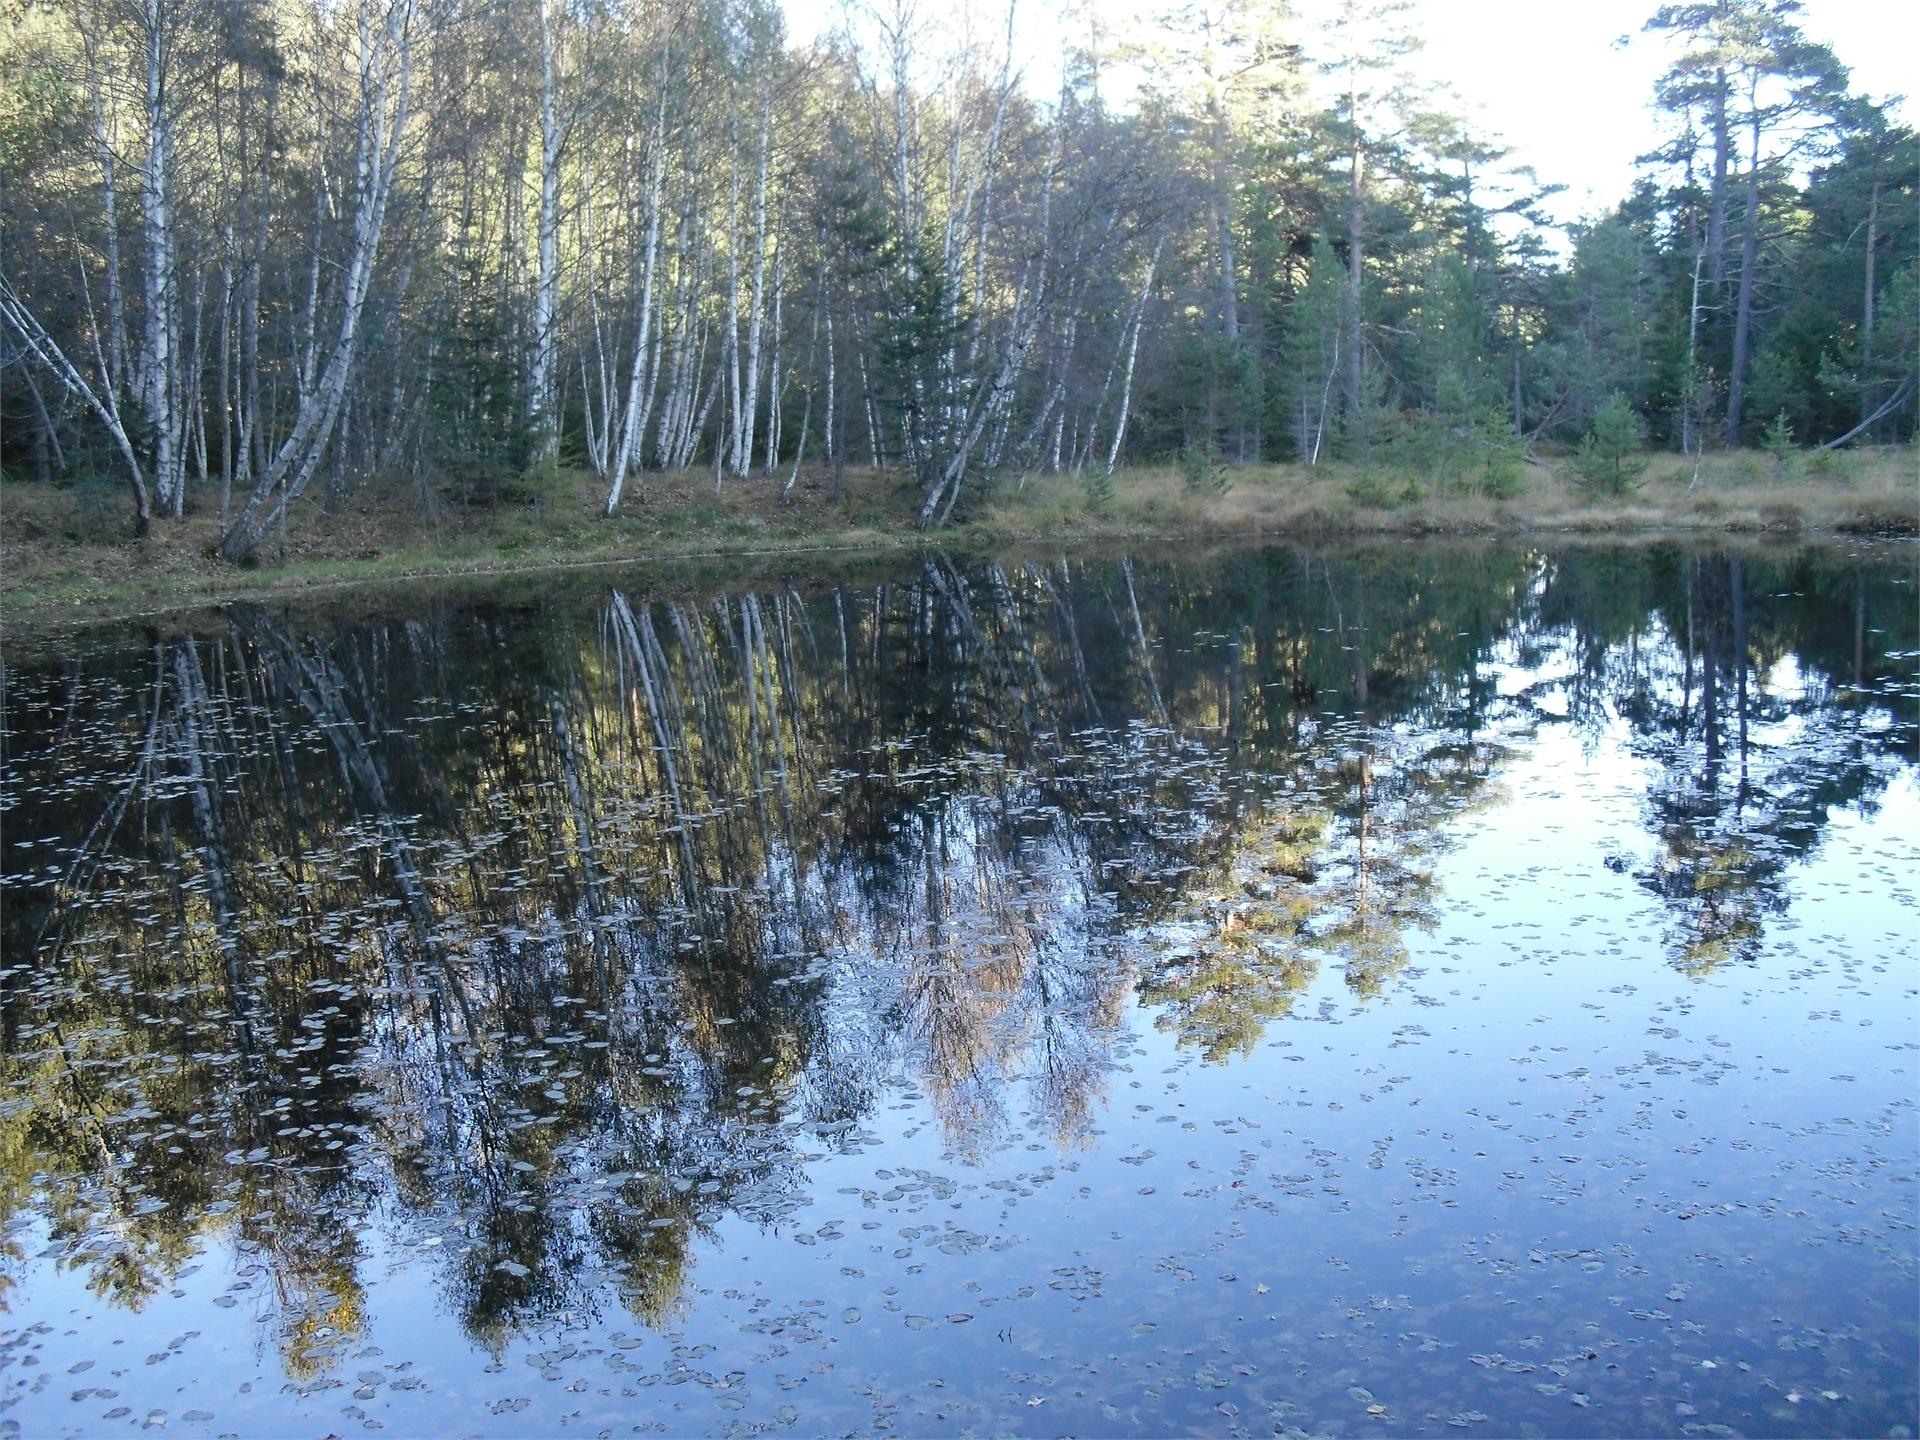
(381, 52)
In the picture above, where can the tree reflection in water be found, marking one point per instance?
(561, 931)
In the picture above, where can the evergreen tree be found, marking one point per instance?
(1609, 461)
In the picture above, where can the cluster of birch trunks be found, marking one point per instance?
(687, 241)
(250, 246)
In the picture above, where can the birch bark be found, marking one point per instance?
(640, 385)
(161, 339)
(1133, 351)
(384, 54)
(749, 406)
(540, 379)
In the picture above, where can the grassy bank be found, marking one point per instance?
(67, 550)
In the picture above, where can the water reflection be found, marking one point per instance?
(552, 934)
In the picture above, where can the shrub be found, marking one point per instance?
(1099, 487)
(1374, 490)
(543, 483)
(1836, 465)
(1608, 461)
(1201, 471)
(1502, 460)
(1461, 449)
(1778, 442)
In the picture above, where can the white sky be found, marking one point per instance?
(1544, 76)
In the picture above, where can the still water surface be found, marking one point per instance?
(1381, 993)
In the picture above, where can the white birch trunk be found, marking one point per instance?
(1133, 351)
(1689, 421)
(191, 386)
(833, 398)
(385, 61)
(160, 343)
(730, 342)
(873, 421)
(674, 401)
(806, 413)
(773, 359)
(310, 317)
(540, 379)
(596, 386)
(640, 385)
(116, 373)
(744, 425)
(101, 401)
(940, 498)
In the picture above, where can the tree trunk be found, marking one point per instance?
(745, 425)
(774, 390)
(159, 355)
(1717, 198)
(1743, 311)
(1688, 420)
(540, 379)
(640, 386)
(728, 443)
(1356, 265)
(806, 413)
(102, 402)
(116, 356)
(1867, 299)
(1133, 350)
(385, 54)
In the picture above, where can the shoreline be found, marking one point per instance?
(56, 583)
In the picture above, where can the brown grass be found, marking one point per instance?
(66, 552)
(1868, 492)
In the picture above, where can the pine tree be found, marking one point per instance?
(1608, 461)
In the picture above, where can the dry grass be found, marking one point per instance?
(67, 551)
(1865, 492)
(71, 549)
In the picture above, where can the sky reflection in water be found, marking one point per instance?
(1381, 993)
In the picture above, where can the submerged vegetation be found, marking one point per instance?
(267, 266)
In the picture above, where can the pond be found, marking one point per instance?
(1394, 991)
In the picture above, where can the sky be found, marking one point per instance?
(1549, 78)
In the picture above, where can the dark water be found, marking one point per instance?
(1368, 994)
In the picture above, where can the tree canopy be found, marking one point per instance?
(256, 252)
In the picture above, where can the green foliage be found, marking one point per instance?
(1834, 465)
(1450, 357)
(1201, 471)
(1607, 343)
(1098, 485)
(1503, 465)
(543, 484)
(918, 336)
(42, 116)
(1215, 388)
(1779, 443)
(1780, 386)
(1609, 462)
(1373, 424)
(1307, 393)
(1375, 490)
(475, 433)
(1456, 447)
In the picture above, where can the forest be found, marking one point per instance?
(258, 255)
